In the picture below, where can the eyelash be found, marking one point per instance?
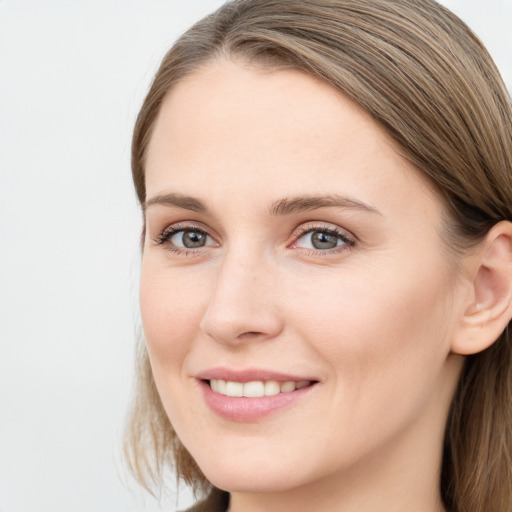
(348, 242)
(163, 238)
(170, 231)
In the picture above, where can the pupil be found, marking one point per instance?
(193, 239)
(324, 240)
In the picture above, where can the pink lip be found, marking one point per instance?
(249, 375)
(243, 409)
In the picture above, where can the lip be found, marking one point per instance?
(250, 375)
(242, 409)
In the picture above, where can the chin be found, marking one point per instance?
(247, 475)
(251, 482)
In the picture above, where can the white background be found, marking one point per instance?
(72, 77)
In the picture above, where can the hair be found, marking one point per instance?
(428, 81)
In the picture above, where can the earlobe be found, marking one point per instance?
(491, 308)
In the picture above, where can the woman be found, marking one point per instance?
(326, 279)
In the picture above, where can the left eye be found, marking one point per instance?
(190, 239)
(320, 240)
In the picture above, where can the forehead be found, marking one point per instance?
(253, 106)
(231, 126)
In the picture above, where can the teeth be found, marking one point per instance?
(272, 388)
(288, 386)
(221, 387)
(256, 389)
(234, 389)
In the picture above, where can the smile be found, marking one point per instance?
(250, 396)
(256, 389)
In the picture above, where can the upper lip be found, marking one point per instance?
(249, 375)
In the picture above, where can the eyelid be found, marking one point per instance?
(169, 231)
(349, 240)
(309, 227)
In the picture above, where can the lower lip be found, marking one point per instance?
(250, 409)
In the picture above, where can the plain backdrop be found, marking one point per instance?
(72, 77)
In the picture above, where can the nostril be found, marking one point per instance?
(235, 321)
(249, 334)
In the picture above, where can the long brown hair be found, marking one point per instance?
(429, 82)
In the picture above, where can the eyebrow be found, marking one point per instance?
(179, 200)
(287, 206)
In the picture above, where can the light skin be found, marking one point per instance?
(262, 166)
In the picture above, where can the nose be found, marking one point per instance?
(243, 304)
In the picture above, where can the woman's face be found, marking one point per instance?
(288, 241)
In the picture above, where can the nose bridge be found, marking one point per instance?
(242, 303)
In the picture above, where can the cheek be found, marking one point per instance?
(383, 333)
(371, 304)
(171, 311)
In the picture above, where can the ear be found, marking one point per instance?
(490, 308)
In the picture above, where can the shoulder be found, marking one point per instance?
(217, 501)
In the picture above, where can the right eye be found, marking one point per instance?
(189, 239)
(180, 239)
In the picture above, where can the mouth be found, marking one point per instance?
(252, 395)
(256, 388)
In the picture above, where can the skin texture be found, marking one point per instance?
(373, 321)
